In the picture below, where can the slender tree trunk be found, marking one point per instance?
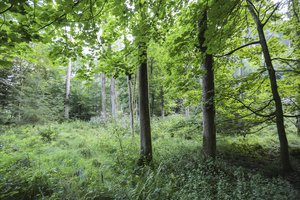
(209, 127)
(68, 86)
(145, 131)
(130, 104)
(135, 100)
(152, 93)
(284, 151)
(103, 97)
(187, 112)
(113, 97)
(162, 103)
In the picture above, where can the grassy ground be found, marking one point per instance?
(84, 160)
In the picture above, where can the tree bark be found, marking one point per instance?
(298, 123)
(68, 86)
(145, 131)
(103, 97)
(209, 127)
(284, 151)
(113, 97)
(130, 105)
(162, 103)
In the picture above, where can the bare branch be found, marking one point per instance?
(291, 116)
(286, 59)
(276, 7)
(231, 52)
(253, 6)
(12, 5)
(256, 112)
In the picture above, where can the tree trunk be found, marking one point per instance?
(284, 151)
(103, 97)
(145, 131)
(135, 98)
(113, 97)
(209, 127)
(130, 105)
(187, 112)
(298, 123)
(68, 86)
(162, 102)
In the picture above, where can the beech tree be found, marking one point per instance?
(284, 152)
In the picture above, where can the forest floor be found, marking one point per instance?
(97, 160)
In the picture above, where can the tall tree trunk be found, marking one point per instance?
(103, 97)
(130, 104)
(68, 86)
(145, 131)
(113, 97)
(209, 127)
(162, 103)
(284, 151)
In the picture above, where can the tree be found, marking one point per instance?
(103, 96)
(284, 152)
(113, 97)
(209, 127)
(67, 96)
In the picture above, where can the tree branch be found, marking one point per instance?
(286, 59)
(256, 112)
(231, 52)
(290, 116)
(276, 7)
(60, 17)
(257, 12)
(12, 5)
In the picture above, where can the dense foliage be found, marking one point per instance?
(79, 79)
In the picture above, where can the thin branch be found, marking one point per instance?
(253, 6)
(12, 5)
(291, 116)
(231, 52)
(256, 112)
(277, 6)
(286, 59)
(295, 12)
(59, 18)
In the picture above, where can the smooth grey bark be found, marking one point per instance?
(145, 130)
(209, 127)
(284, 151)
(103, 96)
(113, 97)
(67, 95)
(130, 105)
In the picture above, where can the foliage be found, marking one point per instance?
(86, 160)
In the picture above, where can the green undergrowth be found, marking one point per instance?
(85, 160)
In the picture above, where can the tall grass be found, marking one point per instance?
(90, 160)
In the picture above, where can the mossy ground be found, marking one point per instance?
(85, 160)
